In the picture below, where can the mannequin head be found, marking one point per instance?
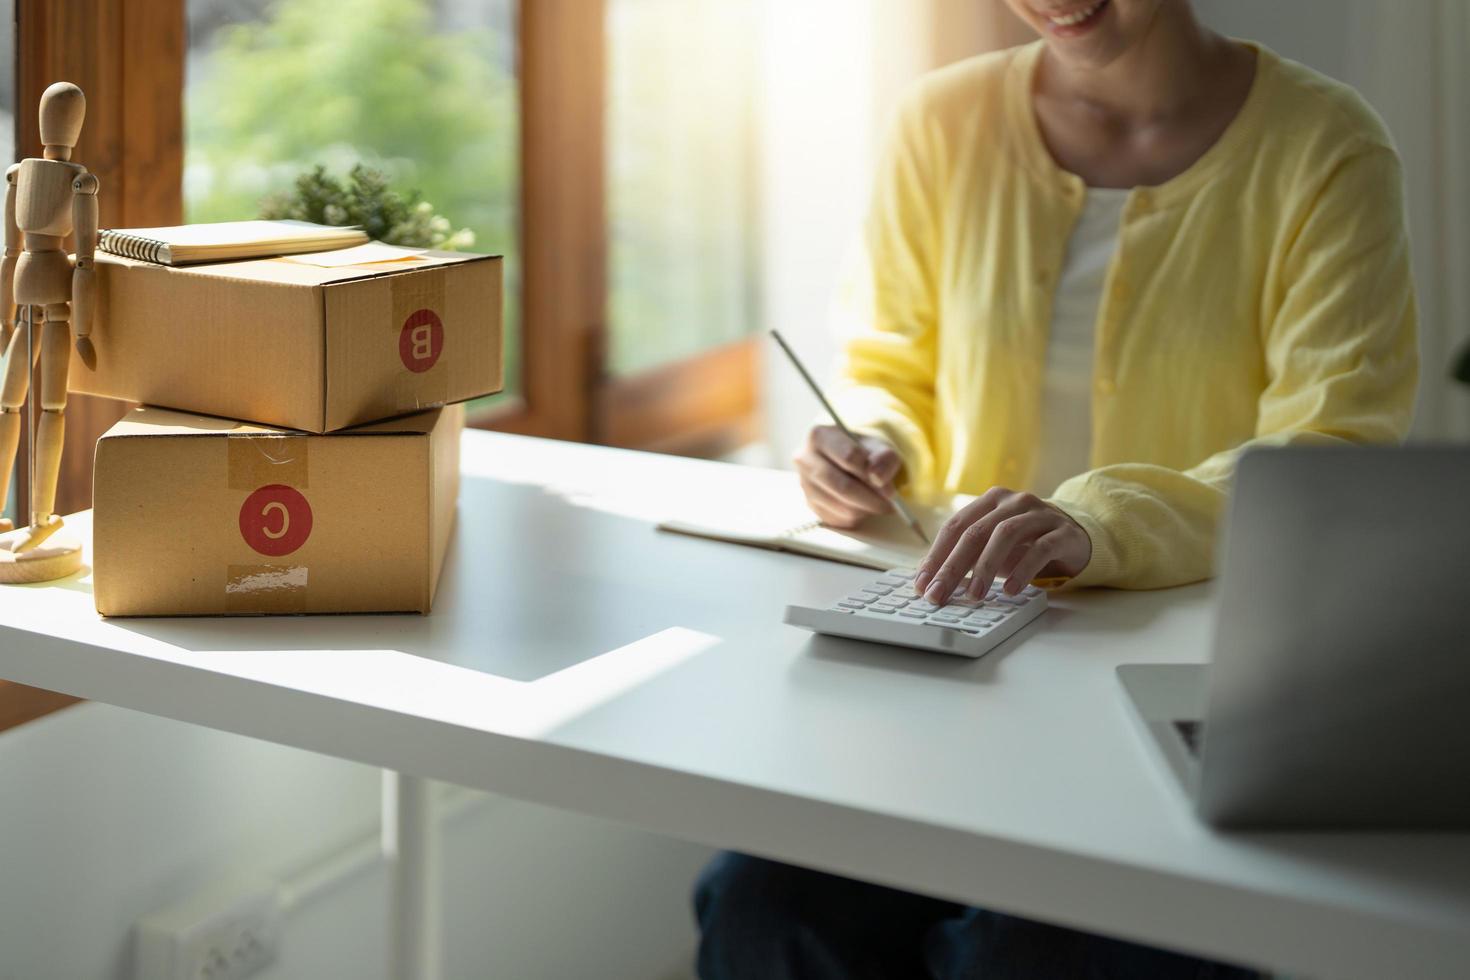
(63, 106)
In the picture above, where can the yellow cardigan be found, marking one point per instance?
(1261, 297)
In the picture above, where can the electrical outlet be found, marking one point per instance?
(229, 931)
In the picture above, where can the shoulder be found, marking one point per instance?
(955, 94)
(942, 116)
(1319, 114)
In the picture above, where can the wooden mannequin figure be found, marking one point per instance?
(45, 200)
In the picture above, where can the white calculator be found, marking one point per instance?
(888, 610)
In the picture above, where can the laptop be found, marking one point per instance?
(1339, 691)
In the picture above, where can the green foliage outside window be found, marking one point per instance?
(337, 82)
(304, 84)
(366, 200)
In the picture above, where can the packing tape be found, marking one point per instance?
(419, 334)
(257, 460)
(271, 471)
(266, 588)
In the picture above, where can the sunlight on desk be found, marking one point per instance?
(463, 695)
(617, 485)
(560, 697)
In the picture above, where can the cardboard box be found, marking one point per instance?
(286, 343)
(206, 516)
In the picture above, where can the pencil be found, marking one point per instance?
(837, 419)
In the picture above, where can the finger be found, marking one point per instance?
(1033, 560)
(1009, 535)
(847, 455)
(883, 466)
(831, 510)
(950, 531)
(838, 483)
(828, 510)
(973, 540)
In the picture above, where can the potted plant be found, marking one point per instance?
(366, 200)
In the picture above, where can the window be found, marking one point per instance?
(629, 245)
(682, 86)
(425, 93)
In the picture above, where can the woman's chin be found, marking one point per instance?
(1091, 52)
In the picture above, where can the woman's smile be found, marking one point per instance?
(1075, 20)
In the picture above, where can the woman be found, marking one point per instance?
(1102, 266)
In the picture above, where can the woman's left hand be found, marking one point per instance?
(1005, 534)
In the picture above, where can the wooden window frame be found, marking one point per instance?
(701, 405)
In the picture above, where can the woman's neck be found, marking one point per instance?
(1153, 81)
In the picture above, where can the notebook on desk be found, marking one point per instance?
(221, 240)
(881, 542)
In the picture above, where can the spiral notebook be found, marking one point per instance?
(221, 240)
(880, 543)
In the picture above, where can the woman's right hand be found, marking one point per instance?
(845, 482)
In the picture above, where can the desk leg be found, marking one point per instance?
(411, 843)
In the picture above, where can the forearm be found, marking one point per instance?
(84, 275)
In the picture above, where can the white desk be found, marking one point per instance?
(578, 658)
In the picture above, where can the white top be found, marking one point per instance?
(1065, 445)
(578, 658)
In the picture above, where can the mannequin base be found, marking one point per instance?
(54, 558)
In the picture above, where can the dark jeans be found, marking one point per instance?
(761, 920)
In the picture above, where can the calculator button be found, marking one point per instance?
(1010, 600)
(903, 573)
(906, 592)
(849, 604)
(840, 609)
(1031, 591)
(924, 604)
(941, 618)
(913, 613)
(877, 589)
(892, 580)
(879, 609)
(889, 602)
(983, 616)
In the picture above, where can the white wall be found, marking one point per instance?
(108, 815)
